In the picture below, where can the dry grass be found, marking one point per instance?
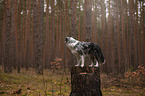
(58, 82)
(33, 84)
(121, 86)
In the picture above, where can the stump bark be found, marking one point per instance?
(85, 81)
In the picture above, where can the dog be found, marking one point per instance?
(83, 49)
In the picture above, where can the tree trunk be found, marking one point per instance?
(109, 53)
(38, 37)
(19, 57)
(124, 47)
(52, 31)
(85, 81)
(7, 60)
(131, 32)
(4, 31)
(46, 42)
(88, 20)
(74, 19)
(143, 29)
(115, 65)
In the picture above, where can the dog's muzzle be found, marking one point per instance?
(66, 40)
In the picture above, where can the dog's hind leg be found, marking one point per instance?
(92, 61)
(97, 65)
(96, 58)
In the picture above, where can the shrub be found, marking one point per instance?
(137, 76)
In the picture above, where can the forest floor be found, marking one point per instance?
(54, 83)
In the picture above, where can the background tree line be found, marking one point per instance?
(33, 32)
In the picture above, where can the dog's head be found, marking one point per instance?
(69, 40)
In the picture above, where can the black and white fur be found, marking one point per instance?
(82, 49)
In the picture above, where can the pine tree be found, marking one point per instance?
(88, 20)
(7, 60)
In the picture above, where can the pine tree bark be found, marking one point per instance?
(131, 32)
(115, 65)
(88, 20)
(74, 19)
(46, 43)
(4, 31)
(19, 39)
(124, 63)
(108, 41)
(7, 58)
(38, 36)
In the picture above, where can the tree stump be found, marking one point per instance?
(85, 81)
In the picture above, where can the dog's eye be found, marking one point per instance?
(66, 39)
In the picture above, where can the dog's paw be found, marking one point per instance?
(82, 65)
(76, 65)
(96, 65)
(90, 65)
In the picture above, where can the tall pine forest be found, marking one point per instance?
(32, 33)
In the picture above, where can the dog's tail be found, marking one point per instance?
(98, 54)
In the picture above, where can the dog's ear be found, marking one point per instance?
(74, 38)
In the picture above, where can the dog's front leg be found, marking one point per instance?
(78, 61)
(82, 57)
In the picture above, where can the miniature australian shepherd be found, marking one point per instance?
(83, 49)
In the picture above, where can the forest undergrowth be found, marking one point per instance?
(58, 83)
